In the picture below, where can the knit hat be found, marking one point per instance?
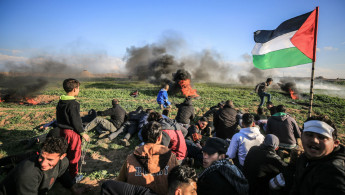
(271, 140)
(319, 127)
(215, 144)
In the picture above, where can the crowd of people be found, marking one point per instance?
(236, 153)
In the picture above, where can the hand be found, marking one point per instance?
(86, 137)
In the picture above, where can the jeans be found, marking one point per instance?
(262, 98)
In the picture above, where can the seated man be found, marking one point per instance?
(38, 173)
(149, 164)
(220, 176)
(117, 117)
(241, 142)
(185, 112)
(320, 170)
(225, 121)
(173, 135)
(181, 181)
(261, 164)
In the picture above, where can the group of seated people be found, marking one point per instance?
(239, 153)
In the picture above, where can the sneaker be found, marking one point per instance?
(102, 135)
(78, 178)
(125, 142)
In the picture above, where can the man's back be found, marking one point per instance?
(185, 112)
(68, 115)
(225, 122)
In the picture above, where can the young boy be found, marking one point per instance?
(69, 121)
(162, 97)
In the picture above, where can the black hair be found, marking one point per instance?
(139, 109)
(151, 132)
(70, 84)
(180, 175)
(114, 102)
(154, 116)
(260, 111)
(166, 112)
(54, 145)
(269, 80)
(203, 119)
(149, 110)
(273, 110)
(247, 119)
(281, 108)
(327, 120)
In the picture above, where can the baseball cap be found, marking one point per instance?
(319, 127)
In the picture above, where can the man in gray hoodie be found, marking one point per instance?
(285, 128)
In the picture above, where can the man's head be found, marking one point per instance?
(269, 105)
(53, 150)
(319, 137)
(115, 102)
(154, 116)
(71, 86)
(280, 108)
(152, 132)
(214, 149)
(182, 181)
(203, 122)
(247, 120)
(271, 141)
(166, 112)
(229, 103)
(269, 81)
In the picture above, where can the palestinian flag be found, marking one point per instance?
(292, 43)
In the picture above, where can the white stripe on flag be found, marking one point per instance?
(278, 43)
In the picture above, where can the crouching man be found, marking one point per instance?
(220, 176)
(37, 174)
(321, 169)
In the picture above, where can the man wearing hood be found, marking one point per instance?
(149, 164)
(285, 128)
(261, 164)
(185, 113)
(241, 142)
(321, 169)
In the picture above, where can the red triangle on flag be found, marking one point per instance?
(305, 38)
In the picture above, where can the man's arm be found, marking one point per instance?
(76, 119)
(232, 150)
(28, 181)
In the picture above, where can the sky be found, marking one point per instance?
(96, 34)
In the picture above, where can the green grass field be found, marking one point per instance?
(104, 160)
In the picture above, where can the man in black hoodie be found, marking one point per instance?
(38, 173)
(321, 169)
(225, 121)
(185, 113)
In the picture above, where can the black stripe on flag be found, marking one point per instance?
(293, 24)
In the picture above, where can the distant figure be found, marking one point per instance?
(162, 97)
(134, 94)
(260, 89)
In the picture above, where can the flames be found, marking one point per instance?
(187, 89)
(293, 95)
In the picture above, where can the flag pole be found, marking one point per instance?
(313, 65)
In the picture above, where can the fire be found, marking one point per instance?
(187, 89)
(1, 100)
(31, 101)
(293, 94)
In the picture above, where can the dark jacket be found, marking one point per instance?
(261, 164)
(225, 122)
(222, 177)
(68, 115)
(117, 115)
(285, 128)
(27, 178)
(321, 176)
(185, 113)
(261, 87)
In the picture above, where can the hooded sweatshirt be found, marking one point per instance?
(285, 128)
(241, 143)
(321, 176)
(68, 114)
(185, 113)
(149, 166)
